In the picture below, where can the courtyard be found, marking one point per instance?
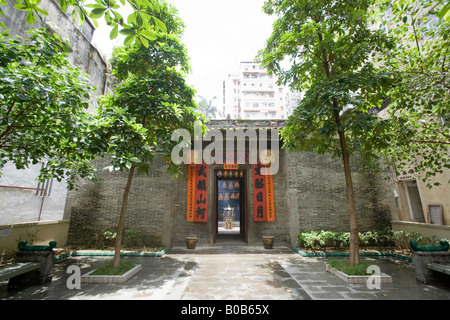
(227, 273)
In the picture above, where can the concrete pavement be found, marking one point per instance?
(223, 273)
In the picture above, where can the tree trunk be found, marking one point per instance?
(354, 233)
(122, 218)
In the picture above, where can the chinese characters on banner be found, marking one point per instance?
(197, 201)
(263, 205)
(269, 196)
(192, 173)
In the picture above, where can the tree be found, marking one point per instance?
(420, 100)
(136, 120)
(325, 48)
(207, 108)
(440, 8)
(42, 106)
(142, 24)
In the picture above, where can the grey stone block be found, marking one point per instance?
(37, 277)
(423, 258)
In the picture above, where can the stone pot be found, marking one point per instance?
(191, 242)
(268, 242)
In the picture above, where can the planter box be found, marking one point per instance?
(88, 278)
(384, 278)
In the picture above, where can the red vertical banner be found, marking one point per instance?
(269, 197)
(192, 173)
(259, 194)
(201, 193)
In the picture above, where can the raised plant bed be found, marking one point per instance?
(352, 279)
(90, 278)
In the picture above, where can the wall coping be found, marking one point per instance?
(33, 223)
(422, 225)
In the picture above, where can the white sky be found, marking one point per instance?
(219, 34)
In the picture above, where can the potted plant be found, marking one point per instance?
(191, 242)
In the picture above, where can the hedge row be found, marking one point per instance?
(381, 238)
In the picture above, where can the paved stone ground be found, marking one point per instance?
(231, 273)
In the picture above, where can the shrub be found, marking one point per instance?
(315, 240)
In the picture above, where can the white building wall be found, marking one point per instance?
(21, 202)
(253, 94)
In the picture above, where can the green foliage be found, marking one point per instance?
(207, 108)
(329, 51)
(315, 240)
(143, 24)
(42, 106)
(328, 47)
(164, 53)
(106, 269)
(323, 239)
(419, 103)
(136, 120)
(440, 9)
(106, 237)
(356, 270)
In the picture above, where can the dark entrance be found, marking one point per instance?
(230, 222)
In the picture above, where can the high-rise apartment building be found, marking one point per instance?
(252, 93)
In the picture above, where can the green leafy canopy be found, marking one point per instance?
(326, 49)
(137, 119)
(420, 100)
(42, 105)
(141, 25)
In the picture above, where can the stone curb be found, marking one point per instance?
(354, 279)
(345, 254)
(111, 253)
(88, 278)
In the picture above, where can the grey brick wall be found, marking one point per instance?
(309, 193)
(96, 206)
(317, 197)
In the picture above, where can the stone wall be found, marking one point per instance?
(309, 193)
(317, 197)
(280, 228)
(96, 207)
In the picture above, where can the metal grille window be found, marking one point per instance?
(44, 188)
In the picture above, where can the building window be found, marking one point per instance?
(414, 201)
